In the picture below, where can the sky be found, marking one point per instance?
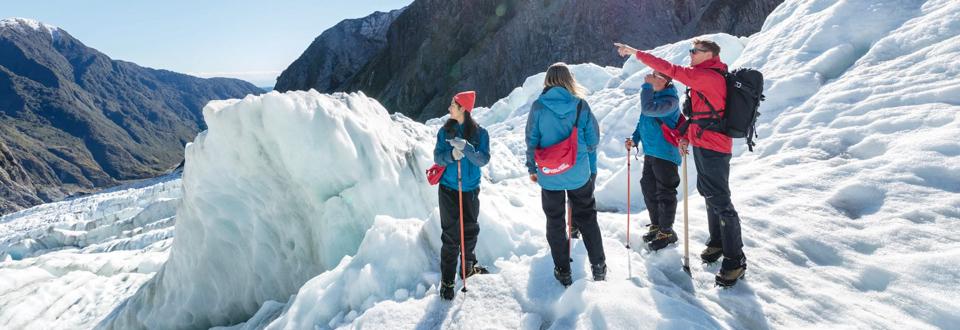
(250, 40)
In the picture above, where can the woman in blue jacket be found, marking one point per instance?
(551, 120)
(460, 139)
(659, 182)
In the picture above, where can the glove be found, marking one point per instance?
(457, 154)
(458, 143)
(683, 146)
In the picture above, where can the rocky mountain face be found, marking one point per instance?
(73, 120)
(435, 48)
(338, 53)
(736, 17)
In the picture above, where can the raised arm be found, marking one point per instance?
(694, 78)
(656, 107)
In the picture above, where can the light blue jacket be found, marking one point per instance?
(550, 121)
(655, 105)
(473, 158)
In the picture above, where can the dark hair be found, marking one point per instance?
(470, 127)
(713, 47)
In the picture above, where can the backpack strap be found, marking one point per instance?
(661, 122)
(715, 122)
(713, 111)
(576, 120)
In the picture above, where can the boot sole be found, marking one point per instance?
(725, 284)
(448, 299)
(664, 247)
(475, 274)
(482, 272)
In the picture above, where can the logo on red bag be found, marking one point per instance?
(560, 169)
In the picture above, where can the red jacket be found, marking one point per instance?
(699, 78)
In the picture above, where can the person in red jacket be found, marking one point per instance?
(712, 149)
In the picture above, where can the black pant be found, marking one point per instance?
(584, 216)
(593, 181)
(659, 185)
(713, 182)
(450, 227)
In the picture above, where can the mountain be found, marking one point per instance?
(338, 53)
(435, 48)
(74, 120)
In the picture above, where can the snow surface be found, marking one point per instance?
(66, 265)
(850, 205)
(277, 190)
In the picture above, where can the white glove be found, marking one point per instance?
(458, 143)
(457, 154)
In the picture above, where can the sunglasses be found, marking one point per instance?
(695, 50)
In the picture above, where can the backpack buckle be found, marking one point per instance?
(737, 84)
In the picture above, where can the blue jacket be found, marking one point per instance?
(550, 121)
(473, 158)
(654, 105)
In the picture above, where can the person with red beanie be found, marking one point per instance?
(712, 150)
(462, 140)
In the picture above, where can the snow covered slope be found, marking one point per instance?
(854, 196)
(66, 265)
(850, 204)
(278, 189)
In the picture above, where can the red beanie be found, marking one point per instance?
(466, 100)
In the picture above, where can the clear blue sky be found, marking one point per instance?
(250, 40)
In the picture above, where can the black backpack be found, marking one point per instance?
(744, 93)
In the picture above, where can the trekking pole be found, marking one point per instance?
(686, 211)
(628, 198)
(463, 257)
(569, 230)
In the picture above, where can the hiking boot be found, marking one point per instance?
(651, 234)
(727, 278)
(599, 272)
(575, 232)
(473, 269)
(563, 277)
(711, 254)
(664, 238)
(447, 290)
